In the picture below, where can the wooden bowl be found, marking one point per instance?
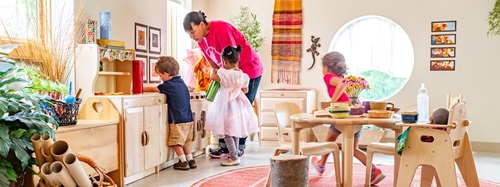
(380, 113)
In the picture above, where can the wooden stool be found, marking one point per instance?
(281, 167)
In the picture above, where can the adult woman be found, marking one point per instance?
(212, 37)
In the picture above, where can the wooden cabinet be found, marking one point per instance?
(305, 99)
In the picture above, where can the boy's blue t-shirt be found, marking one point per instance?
(178, 100)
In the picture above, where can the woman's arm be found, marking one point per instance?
(213, 64)
(336, 81)
(244, 90)
(214, 76)
(150, 89)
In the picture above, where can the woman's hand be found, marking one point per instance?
(214, 76)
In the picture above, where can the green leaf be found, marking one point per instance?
(18, 133)
(20, 148)
(4, 140)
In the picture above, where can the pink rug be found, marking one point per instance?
(256, 176)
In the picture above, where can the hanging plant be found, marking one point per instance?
(494, 19)
(247, 23)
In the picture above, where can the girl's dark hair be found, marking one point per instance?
(231, 54)
(195, 17)
(335, 62)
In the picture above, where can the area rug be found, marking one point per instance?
(255, 176)
(286, 48)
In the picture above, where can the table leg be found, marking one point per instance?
(295, 140)
(397, 158)
(348, 153)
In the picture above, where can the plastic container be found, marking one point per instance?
(137, 86)
(423, 105)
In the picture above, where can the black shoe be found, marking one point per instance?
(217, 154)
(192, 164)
(181, 165)
(241, 152)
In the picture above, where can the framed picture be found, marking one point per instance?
(154, 40)
(443, 39)
(140, 37)
(444, 26)
(153, 77)
(442, 65)
(145, 66)
(442, 52)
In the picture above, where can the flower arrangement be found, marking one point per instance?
(354, 85)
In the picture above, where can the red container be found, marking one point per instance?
(137, 76)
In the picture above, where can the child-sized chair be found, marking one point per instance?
(283, 111)
(439, 156)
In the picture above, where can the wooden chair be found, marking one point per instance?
(439, 156)
(283, 112)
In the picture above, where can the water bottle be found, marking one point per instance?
(423, 105)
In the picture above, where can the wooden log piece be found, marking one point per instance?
(289, 170)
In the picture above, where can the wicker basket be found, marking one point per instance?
(380, 113)
(64, 113)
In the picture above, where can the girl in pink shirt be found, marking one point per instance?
(212, 37)
(334, 69)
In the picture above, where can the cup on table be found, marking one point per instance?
(366, 105)
(379, 105)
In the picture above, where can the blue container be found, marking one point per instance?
(105, 28)
(409, 117)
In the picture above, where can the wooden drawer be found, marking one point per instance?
(271, 134)
(268, 119)
(283, 94)
(144, 101)
(267, 104)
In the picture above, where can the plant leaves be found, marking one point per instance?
(20, 148)
(4, 140)
(7, 173)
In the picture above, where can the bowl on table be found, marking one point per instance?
(357, 110)
(339, 110)
(409, 117)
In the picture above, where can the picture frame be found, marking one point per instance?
(153, 77)
(443, 39)
(443, 26)
(443, 52)
(140, 34)
(154, 40)
(145, 66)
(442, 65)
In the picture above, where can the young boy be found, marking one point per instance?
(180, 117)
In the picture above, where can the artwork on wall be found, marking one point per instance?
(154, 40)
(442, 52)
(443, 39)
(153, 76)
(444, 26)
(145, 67)
(442, 65)
(140, 38)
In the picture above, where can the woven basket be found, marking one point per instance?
(64, 113)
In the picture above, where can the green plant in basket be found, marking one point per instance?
(21, 117)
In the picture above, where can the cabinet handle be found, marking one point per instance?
(285, 133)
(147, 138)
(142, 138)
(282, 94)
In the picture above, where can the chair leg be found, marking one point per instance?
(406, 173)
(336, 162)
(268, 181)
(368, 173)
(427, 175)
(444, 175)
(467, 166)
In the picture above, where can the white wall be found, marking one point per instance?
(476, 53)
(124, 13)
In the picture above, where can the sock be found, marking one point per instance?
(189, 157)
(182, 158)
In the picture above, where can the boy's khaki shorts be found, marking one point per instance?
(180, 134)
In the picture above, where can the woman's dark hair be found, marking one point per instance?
(335, 62)
(195, 17)
(231, 54)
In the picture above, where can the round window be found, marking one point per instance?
(379, 50)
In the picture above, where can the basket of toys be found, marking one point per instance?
(64, 113)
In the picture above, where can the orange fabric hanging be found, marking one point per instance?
(202, 71)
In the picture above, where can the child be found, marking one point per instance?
(231, 115)
(439, 116)
(334, 69)
(180, 117)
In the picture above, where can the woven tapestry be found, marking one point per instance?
(287, 41)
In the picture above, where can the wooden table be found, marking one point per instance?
(348, 126)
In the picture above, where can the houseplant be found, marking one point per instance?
(353, 87)
(247, 23)
(494, 19)
(21, 117)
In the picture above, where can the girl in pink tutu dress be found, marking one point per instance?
(231, 115)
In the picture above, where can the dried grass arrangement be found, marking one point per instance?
(53, 52)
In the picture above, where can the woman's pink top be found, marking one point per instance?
(223, 34)
(331, 89)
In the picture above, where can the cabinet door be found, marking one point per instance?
(134, 139)
(267, 104)
(163, 133)
(152, 118)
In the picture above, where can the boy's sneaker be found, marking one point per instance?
(217, 154)
(320, 169)
(377, 176)
(192, 164)
(230, 162)
(241, 153)
(181, 165)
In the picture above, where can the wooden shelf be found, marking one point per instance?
(113, 73)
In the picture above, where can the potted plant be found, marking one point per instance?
(494, 19)
(21, 117)
(247, 23)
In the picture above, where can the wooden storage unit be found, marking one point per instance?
(306, 99)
